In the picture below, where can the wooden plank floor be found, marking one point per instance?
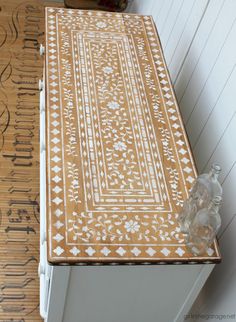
(21, 32)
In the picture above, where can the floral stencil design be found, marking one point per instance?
(119, 163)
(109, 228)
(117, 132)
(132, 226)
(101, 24)
(107, 69)
(120, 146)
(113, 105)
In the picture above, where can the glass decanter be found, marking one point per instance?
(204, 227)
(205, 188)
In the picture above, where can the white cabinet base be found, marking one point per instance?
(161, 293)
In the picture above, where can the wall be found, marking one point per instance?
(199, 42)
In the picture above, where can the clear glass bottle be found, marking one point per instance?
(188, 212)
(205, 188)
(204, 227)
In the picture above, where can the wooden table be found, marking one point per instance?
(118, 168)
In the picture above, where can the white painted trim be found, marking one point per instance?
(197, 286)
(60, 277)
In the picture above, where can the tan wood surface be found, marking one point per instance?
(119, 165)
(21, 32)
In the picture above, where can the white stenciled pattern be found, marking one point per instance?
(73, 175)
(101, 24)
(55, 139)
(144, 232)
(118, 228)
(75, 251)
(132, 226)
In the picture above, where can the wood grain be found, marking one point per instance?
(21, 32)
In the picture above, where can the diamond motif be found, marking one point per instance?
(182, 151)
(136, 251)
(164, 82)
(55, 123)
(55, 149)
(187, 170)
(56, 169)
(190, 179)
(185, 160)
(167, 96)
(53, 70)
(55, 115)
(58, 224)
(58, 212)
(175, 125)
(178, 134)
(58, 250)
(105, 251)
(57, 200)
(57, 189)
(169, 103)
(56, 179)
(54, 91)
(75, 251)
(55, 131)
(173, 118)
(121, 251)
(180, 251)
(162, 75)
(165, 251)
(166, 89)
(58, 237)
(54, 99)
(150, 251)
(55, 140)
(53, 77)
(90, 251)
(180, 142)
(210, 251)
(56, 159)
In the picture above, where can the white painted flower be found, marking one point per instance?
(113, 105)
(132, 226)
(75, 182)
(101, 24)
(120, 146)
(72, 139)
(108, 70)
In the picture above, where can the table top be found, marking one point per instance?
(118, 160)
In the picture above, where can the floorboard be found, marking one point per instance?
(21, 32)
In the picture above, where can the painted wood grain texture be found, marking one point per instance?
(203, 74)
(21, 31)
